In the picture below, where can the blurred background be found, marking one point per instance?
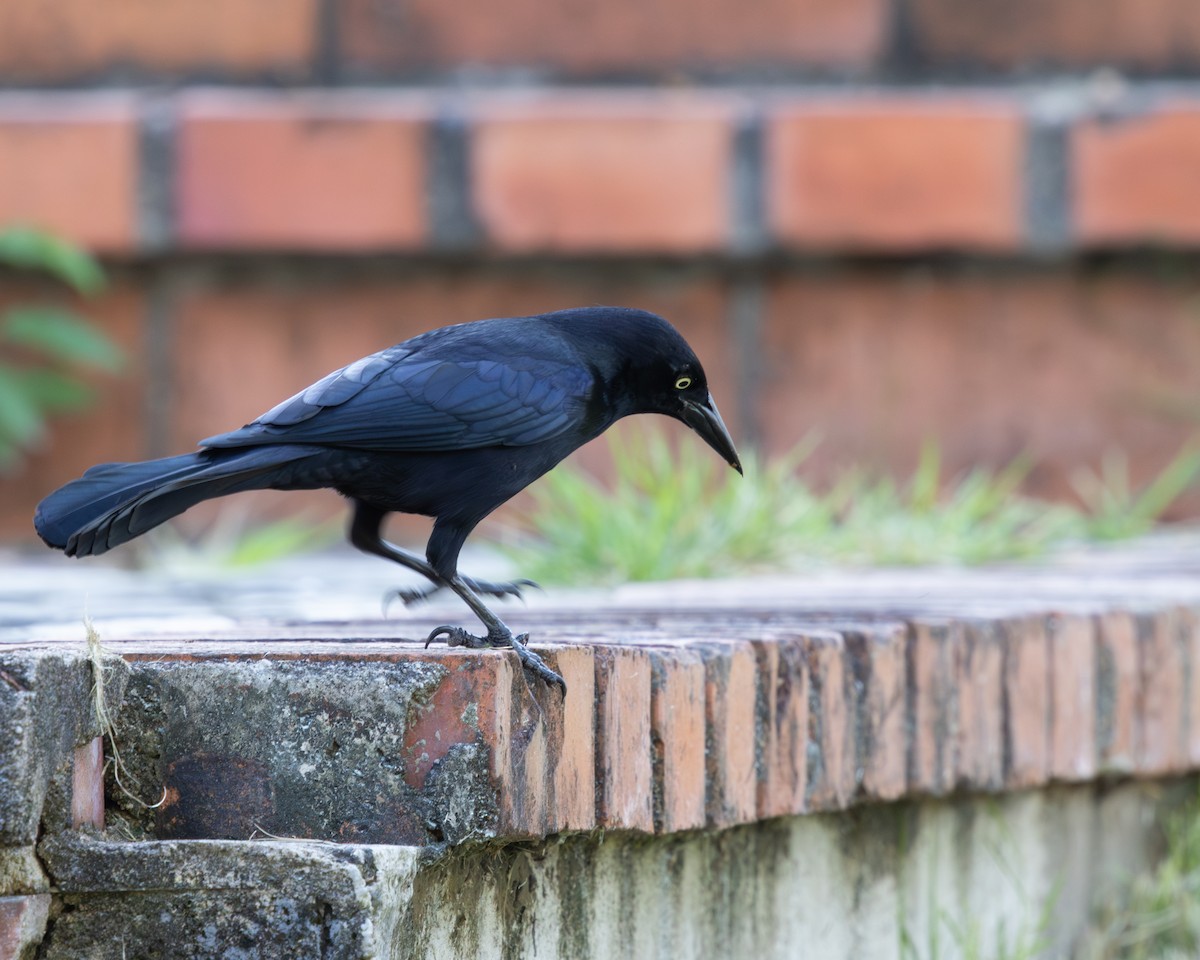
(886, 223)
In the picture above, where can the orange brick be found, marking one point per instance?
(877, 656)
(323, 172)
(87, 785)
(932, 646)
(484, 700)
(900, 174)
(677, 719)
(1022, 33)
(731, 702)
(1160, 743)
(1027, 693)
(69, 165)
(978, 742)
(67, 39)
(1134, 177)
(831, 759)
(783, 668)
(878, 358)
(1073, 666)
(624, 761)
(657, 36)
(604, 174)
(1190, 630)
(571, 731)
(1117, 684)
(22, 924)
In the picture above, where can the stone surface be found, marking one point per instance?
(847, 885)
(46, 711)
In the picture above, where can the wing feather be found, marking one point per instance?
(397, 401)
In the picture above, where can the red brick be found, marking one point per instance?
(87, 785)
(878, 656)
(1160, 742)
(67, 39)
(677, 715)
(899, 174)
(69, 165)
(624, 762)
(624, 174)
(878, 359)
(932, 646)
(1027, 693)
(1023, 33)
(112, 429)
(1134, 177)
(22, 924)
(656, 37)
(571, 730)
(783, 668)
(979, 731)
(831, 759)
(542, 748)
(1190, 629)
(322, 172)
(1073, 676)
(1117, 683)
(731, 699)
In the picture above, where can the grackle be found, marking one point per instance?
(449, 424)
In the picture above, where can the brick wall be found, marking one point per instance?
(882, 220)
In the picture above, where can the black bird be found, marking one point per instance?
(449, 424)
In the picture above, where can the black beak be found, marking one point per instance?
(706, 421)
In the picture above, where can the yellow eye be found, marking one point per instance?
(683, 383)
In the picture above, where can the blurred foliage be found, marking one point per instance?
(237, 539)
(1157, 916)
(680, 512)
(44, 348)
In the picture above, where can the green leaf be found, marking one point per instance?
(37, 250)
(54, 391)
(61, 335)
(21, 420)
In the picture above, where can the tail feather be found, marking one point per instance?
(115, 502)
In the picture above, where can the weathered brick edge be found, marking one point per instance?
(602, 171)
(810, 719)
(722, 721)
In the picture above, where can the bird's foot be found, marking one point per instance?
(458, 637)
(410, 595)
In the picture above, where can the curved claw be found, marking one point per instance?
(536, 665)
(458, 637)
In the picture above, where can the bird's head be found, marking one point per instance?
(660, 373)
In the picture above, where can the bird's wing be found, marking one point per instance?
(400, 400)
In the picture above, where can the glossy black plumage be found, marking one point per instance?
(449, 424)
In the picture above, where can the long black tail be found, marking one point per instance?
(115, 502)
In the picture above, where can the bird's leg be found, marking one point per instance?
(498, 635)
(509, 588)
(365, 534)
